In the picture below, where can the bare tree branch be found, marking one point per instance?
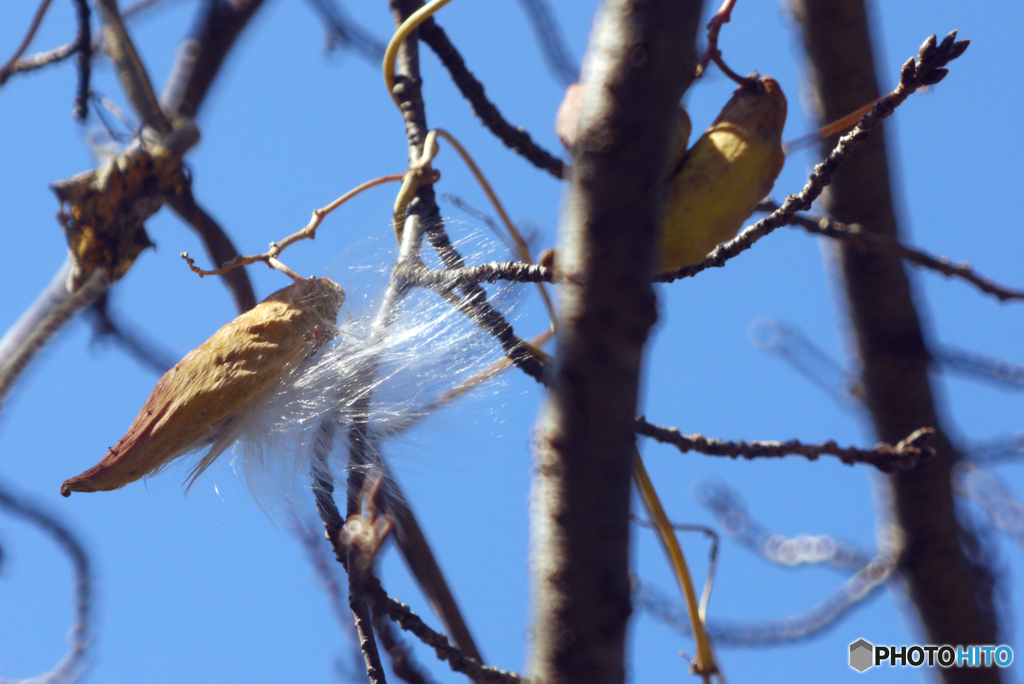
(885, 244)
(552, 42)
(403, 662)
(1002, 508)
(311, 537)
(145, 351)
(83, 44)
(8, 68)
(59, 54)
(131, 73)
(516, 139)
(408, 93)
(806, 625)
(731, 512)
(513, 271)
(1000, 372)
(638, 53)
(869, 572)
(42, 59)
(54, 307)
(74, 662)
(887, 458)
(993, 451)
(951, 593)
(346, 33)
(792, 346)
(456, 658)
(217, 26)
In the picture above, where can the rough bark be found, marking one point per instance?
(639, 61)
(951, 592)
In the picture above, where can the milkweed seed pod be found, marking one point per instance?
(715, 186)
(200, 401)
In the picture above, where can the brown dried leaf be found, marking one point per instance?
(103, 210)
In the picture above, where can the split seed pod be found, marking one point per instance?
(200, 401)
(716, 184)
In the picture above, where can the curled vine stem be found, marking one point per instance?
(712, 53)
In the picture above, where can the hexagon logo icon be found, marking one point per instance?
(862, 655)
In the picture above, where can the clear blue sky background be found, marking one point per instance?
(205, 588)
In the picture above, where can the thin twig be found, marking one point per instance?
(312, 539)
(885, 457)
(403, 662)
(346, 33)
(516, 139)
(512, 271)
(992, 451)
(8, 68)
(408, 95)
(712, 53)
(323, 481)
(218, 245)
(364, 628)
(42, 59)
(1000, 372)
(456, 659)
(323, 489)
(308, 233)
(731, 513)
(362, 452)
(73, 663)
(147, 352)
(362, 537)
(59, 54)
(708, 532)
(863, 584)
(552, 42)
(83, 43)
(792, 346)
(411, 540)
(927, 70)
(520, 243)
(1004, 510)
(885, 244)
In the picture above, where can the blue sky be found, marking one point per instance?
(206, 588)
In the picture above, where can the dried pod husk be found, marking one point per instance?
(199, 402)
(103, 211)
(716, 184)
